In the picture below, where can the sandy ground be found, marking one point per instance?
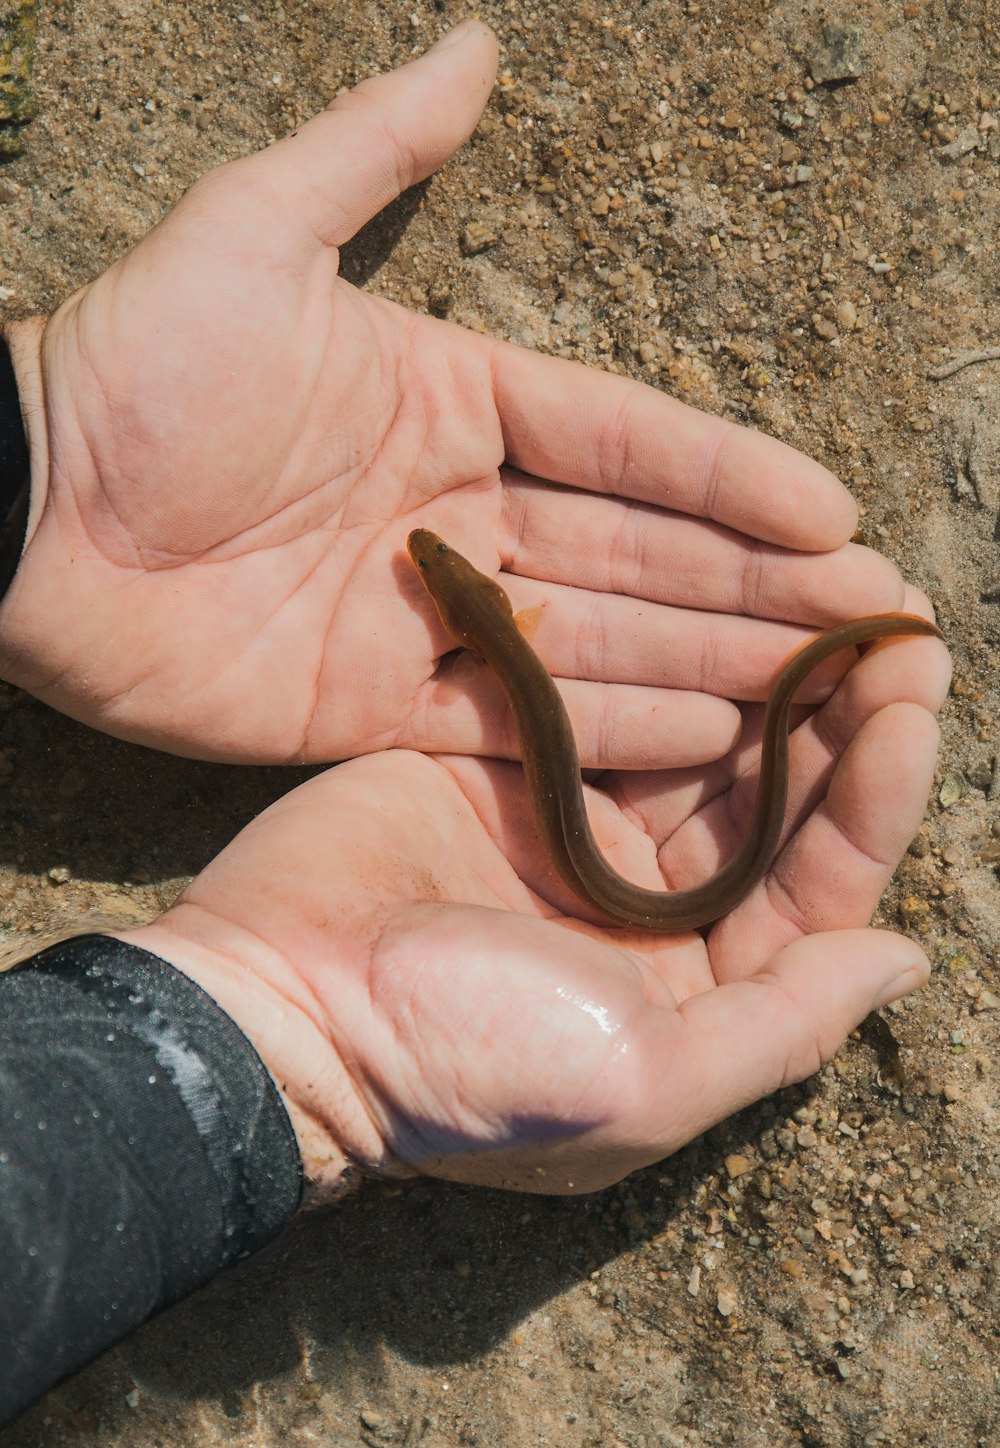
(688, 193)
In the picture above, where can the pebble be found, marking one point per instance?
(838, 55)
(954, 787)
(726, 1302)
(967, 140)
(476, 238)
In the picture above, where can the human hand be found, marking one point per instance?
(407, 963)
(230, 444)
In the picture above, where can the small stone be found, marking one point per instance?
(967, 140)
(694, 1282)
(913, 909)
(847, 315)
(905, 1280)
(601, 204)
(806, 1137)
(824, 328)
(737, 1164)
(726, 1302)
(476, 238)
(372, 1419)
(838, 55)
(954, 787)
(60, 874)
(987, 1001)
(132, 1398)
(439, 300)
(981, 776)
(952, 1092)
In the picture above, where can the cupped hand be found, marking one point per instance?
(416, 978)
(230, 444)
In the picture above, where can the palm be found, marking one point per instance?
(434, 1010)
(285, 534)
(239, 442)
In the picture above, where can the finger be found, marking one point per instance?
(748, 1039)
(609, 545)
(571, 424)
(702, 815)
(603, 636)
(835, 868)
(371, 143)
(464, 710)
(346, 164)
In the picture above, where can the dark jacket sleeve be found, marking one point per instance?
(143, 1148)
(15, 474)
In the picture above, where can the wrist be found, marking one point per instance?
(256, 987)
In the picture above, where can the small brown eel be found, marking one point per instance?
(477, 612)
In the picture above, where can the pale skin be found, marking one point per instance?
(229, 447)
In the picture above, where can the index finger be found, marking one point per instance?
(575, 425)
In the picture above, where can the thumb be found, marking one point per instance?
(752, 1037)
(371, 143)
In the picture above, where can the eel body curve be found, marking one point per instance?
(477, 613)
